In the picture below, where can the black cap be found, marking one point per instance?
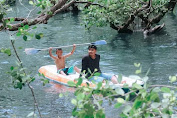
(58, 49)
(92, 46)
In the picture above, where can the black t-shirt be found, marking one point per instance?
(92, 64)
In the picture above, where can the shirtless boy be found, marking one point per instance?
(60, 60)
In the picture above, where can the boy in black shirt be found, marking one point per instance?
(90, 65)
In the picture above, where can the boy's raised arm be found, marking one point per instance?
(69, 54)
(50, 53)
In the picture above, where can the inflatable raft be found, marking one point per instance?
(50, 72)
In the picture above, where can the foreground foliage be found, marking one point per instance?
(139, 102)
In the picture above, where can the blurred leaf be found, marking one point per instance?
(18, 33)
(137, 104)
(71, 83)
(9, 26)
(117, 105)
(41, 35)
(12, 20)
(34, 27)
(86, 89)
(80, 96)
(137, 65)
(26, 27)
(25, 38)
(8, 52)
(99, 85)
(119, 79)
(38, 36)
(19, 85)
(97, 74)
(119, 91)
(165, 90)
(30, 114)
(79, 81)
(11, 68)
(155, 105)
(126, 109)
(172, 79)
(135, 85)
(138, 71)
(60, 95)
(73, 101)
(31, 2)
(120, 100)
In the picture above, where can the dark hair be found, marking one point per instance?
(58, 49)
(92, 46)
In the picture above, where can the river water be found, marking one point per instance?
(157, 52)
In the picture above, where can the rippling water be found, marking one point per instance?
(157, 52)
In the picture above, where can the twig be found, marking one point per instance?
(163, 86)
(35, 101)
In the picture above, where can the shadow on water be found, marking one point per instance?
(114, 43)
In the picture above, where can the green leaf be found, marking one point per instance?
(120, 100)
(11, 68)
(22, 24)
(86, 89)
(19, 85)
(138, 71)
(156, 89)
(99, 85)
(38, 36)
(71, 83)
(8, 52)
(31, 2)
(137, 104)
(60, 95)
(18, 33)
(7, 21)
(30, 114)
(127, 109)
(137, 65)
(97, 74)
(12, 20)
(73, 101)
(155, 105)
(80, 96)
(26, 27)
(154, 96)
(172, 79)
(165, 89)
(25, 38)
(9, 26)
(79, 81)
(119, 91)
(117, 105)
(39, 12)
(119, 79)
(34, 27)
(135, 85)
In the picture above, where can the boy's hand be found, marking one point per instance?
(50, 48)
(74, 45)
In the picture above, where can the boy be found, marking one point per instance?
(60, 60)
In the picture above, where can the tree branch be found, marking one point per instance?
(90, 3)
(64, 7)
